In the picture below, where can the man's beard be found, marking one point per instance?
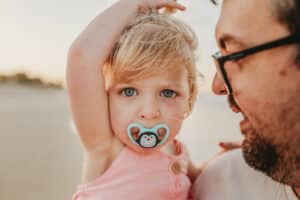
(259, 153)
(280, 162)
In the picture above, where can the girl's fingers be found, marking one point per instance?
(170, 4)
(158, 4)
(230, 145)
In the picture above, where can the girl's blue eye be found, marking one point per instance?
(129, 92)
(168, 93)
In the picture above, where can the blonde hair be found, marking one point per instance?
(152, 44)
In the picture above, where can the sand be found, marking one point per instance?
(40, 157)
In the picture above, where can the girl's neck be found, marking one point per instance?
(168, 149)
(172, 148)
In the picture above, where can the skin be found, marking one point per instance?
(266, 89)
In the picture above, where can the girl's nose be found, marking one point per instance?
(148, 114)
(149, 110)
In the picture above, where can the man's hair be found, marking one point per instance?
(288, 13)
(152, 44)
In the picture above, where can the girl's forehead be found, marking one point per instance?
(165, 73)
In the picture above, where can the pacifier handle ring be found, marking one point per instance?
(158, 126)
(138, 125)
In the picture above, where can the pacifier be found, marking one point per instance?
(148, 137)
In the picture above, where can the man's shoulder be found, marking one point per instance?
(227, 162)
(223, 172)
(228, 177)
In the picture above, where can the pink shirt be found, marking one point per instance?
(134, 176)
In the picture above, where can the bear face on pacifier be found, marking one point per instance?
(148, 137)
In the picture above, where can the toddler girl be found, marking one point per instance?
(131, 79)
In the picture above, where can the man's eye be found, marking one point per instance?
(168, 93)
(129, 92)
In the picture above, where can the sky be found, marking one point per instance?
(36, 34)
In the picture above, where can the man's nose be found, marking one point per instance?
(150, 109)
(218, 85)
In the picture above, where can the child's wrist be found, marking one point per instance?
(136, 5)
(133, 5)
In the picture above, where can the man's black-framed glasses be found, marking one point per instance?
(220, 59)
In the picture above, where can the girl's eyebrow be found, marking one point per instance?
(162, 84)
(121, 85)
(172, 85)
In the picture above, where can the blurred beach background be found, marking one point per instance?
(40, 153)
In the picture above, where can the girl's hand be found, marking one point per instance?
(227, 146)
(158, 4)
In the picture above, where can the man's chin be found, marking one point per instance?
(259, 154)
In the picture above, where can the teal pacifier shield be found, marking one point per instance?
(148, 137)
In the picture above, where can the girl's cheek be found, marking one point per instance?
(179, 106)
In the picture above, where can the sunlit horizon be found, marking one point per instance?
(36, 35)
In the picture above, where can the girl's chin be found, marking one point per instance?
(142, 150)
